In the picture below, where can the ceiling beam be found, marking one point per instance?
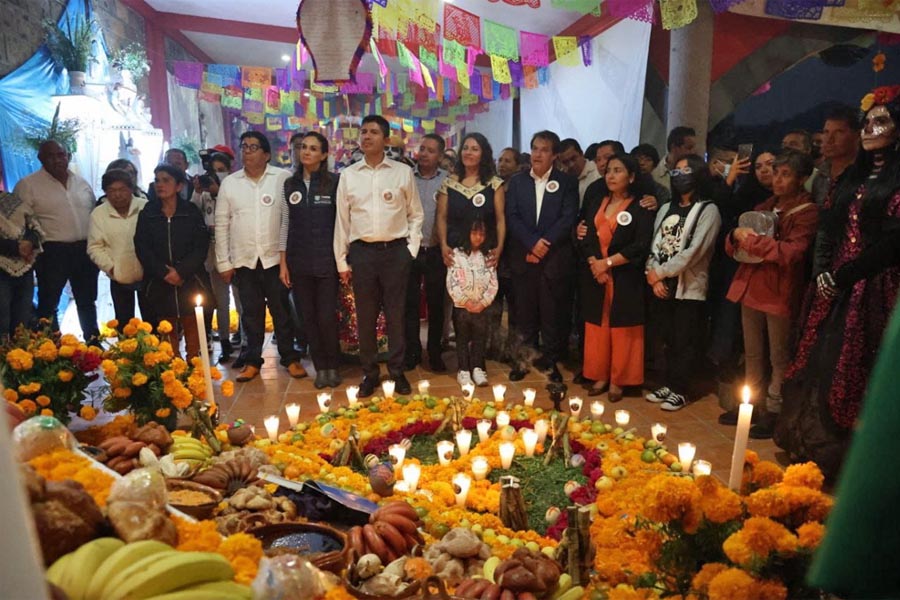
(253, 31)
(158, 20)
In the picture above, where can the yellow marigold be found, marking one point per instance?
(128, 346)
(87, 413)
(804, 475)
(138, 379)
(122, 392)
(758, 538)
(197, 536)
(751, 457)
(43, 400)
(244, 552)
(732, 584)
(165, 348)
(19, 359)
(228, 388)
(67, 351)
(769, 590)
(867, 102)
(69, 340)
(718, 503)
(46, 412)
(215, 373)
(151, 359)
(93, 350)
(162, 413)
(626, 592)
(672, 498)
(65, 376)
(28, 407)
(151, 340)
(766, 474)
(112, 324)
(179, 367)
(130, 330)
(164, 327)
(700, 582)
(810, 535)
(47, 351)
(196, 362)
(10, 395)
(168, 376)
(30, 388)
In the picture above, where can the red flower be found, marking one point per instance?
(886, 94)
(86, 361)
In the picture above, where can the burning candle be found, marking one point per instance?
(541, 427)
(480, 467)
(445, 452)
(575, 404)
(204, 349)
(411, 473)
(502, 419)
(424, 386)
(463, 441)
(461, 484)
(529, 396)
(271, 424)
(745, 414)
(702, 467)
(468, 390)
(324, 400)
(484, 430)
(507, 452)
(387, 387)
(686, 451)
(397, 454)
(658, 431)
(293, 413)
(623, 417)
(597, 409)
(352, 395)
(499, 393)
(530, 437)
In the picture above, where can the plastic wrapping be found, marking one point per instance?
(290, 577)
(144, 486)
(41, 435)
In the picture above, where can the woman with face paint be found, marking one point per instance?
(857, 276)
(677, 271)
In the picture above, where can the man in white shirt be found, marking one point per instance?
(62, 203)
(378, 230)
(575, 164)
(248, 221)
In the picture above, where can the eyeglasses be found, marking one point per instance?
(250, 147)
(681, 171)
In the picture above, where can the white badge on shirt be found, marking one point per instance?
(388, 195)
(266, 200)
(295, 198)
(478, 200)
(623, 218)
(552, 186)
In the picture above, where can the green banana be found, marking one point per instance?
(574, 593)
(112, 568)
(229, 588)
(58, 569)
(563, 586)
(84, 563)
(157, 575)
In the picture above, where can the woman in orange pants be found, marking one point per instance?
(619, 232)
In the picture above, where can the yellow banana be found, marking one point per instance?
(229, 588)
(189, 454)
(157, 575)
(574, 593)
(112, 568)
(84, 563)
(490, 565)
(58, 569)
(195, 594)
(563, 586)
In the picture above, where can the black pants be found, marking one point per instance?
(497, 346)
(123, 301)
(471, 332)
(259, 288)
(542, 305)
(16, 307)
(68, 261)
(428, 266)
(682, 332)
(316, 299)
(380, 278)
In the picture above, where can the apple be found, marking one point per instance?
(603, 483)
(341, 410)
(676, 467)
(446, 401)
(618, 472)
(477, 529)
(608, 427)
(660, 452)
(602, 446)
(587, 436)
(322, 419)
(374, 408)
(298, 437)
(327, 429)
(618, 431)
(533, 546)
(385, 427)
(517, 543)
(411, 420)
(402, 401)
(489, 412)
(597, 427)
(629, 436)
(350, 414)
(503, 539)
(430, 402)
(651, 444)
(539, 411)
(648, 456)
(549, 551)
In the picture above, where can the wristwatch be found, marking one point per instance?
(609, 263)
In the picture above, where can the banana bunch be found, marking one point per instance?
(392, 531)
(109, 569)
(190, 451)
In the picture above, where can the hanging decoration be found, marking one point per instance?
(677, 13)
(462, 26)
(336, 33)
(530, 3)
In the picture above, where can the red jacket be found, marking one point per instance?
(775, 285)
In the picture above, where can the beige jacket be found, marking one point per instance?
(111, 242)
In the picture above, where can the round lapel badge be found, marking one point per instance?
(295, 198)
(478, 200)
(623, 218)
(552, 186)
(266, 200)
(387, 195)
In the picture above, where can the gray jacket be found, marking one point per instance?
(691, 264)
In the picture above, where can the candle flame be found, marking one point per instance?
(745, 394)
(199, 299)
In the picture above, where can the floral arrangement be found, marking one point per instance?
(64, 131)
(131, 58)
(879, 96)
(47, 373)
(65, 464)
(71, 46)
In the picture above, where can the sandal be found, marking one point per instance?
(597, 389)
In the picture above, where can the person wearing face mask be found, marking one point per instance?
(677, 271)
(857, 276)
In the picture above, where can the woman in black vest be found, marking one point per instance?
(307, 254)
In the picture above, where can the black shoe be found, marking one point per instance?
(239, 363)
(225, 355)
(367, 386)
(334, 379)
(765, 428)
(555, 376)
(580, 379)
(436, 364)
(731, 417)
(401, 384)
(544, 364)
(322, 380)
(517, 374)
(236, 339)
(411, 362)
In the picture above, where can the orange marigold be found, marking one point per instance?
(69, 340)
(43, 400)
(29, 388)
(130, 330)
(19, 359)
(810, 535)
(128, 346)
(88, 413)
(228, 388)
(766, 473)
(145, 327)
(46, 412)
(138, 379)
(626, 592)
(244, 552)
(67, 351)
(28, 407)
(804, 475)
(164, 327)
(700, 582)
(758, 538)
(732, 584)
(46, 351)
(672, 498)
(769, 590)
(65, 376)
(162, 413)
(10, 395)
(718, 503)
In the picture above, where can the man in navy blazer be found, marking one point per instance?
(541, 208)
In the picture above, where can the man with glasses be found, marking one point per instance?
(248, 222)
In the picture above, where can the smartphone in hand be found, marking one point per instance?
(745, 151)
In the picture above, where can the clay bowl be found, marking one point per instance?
(323, 546)
(200, 511)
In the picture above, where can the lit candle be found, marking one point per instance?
(271, 424)
(499, 393)
(529, 396)
(541, 427)
(387, 387)
(461, 484)
(658, 431)
(352, 394)
(597, 409)
(686, 451)
(480, 467)
(530, 437)
(468, 390)
(397, 454)
(575, 404)
(463, 441)
(411, 472)
(502, 419)
(484, 430)
(424, 386)
(507, 452)
(745, 414)
(702, 467)
(204, 349)
(324, 400)
(445, 452)
(623, 417)
(293, 413)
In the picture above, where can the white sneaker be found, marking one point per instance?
(479, 377)
(463, 377)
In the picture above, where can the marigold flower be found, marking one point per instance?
(87, 413)
(732, 584)
(151, 340)
(19, 359)
(759, 538)
(28, 407)
(700, 582)
(145, 327)
(766, 474)
(130, 330)
(228, 388)
(804, 475)
(69, 340)
(164, 327)
(112, 324)
(162, 413)
(810, 535)
(46, 412)
(43, 400)
(128, 346)
(867, 102)
(67, 351)
(30, 388)
(179, 367)
(47, 351)
(122, 392)
(65, 376)
(671, 498)
(138, 379)
(10, 395)
(718, 503)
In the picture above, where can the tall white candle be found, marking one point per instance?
(507, 452)
(597, 409)
(445, 452)
(702, 467)
(324, 400)
(293, 413)
(745, 414)
(686, 452)
(623, 417)
(352, 395)
(411, 473)
(502, 419)
(541, 427)
(461, 484)
(499, 393)
(463, 441)
(398, 455)
(530, 437)
(424, 386)
(204, 349)
(658, 431)
(271, 423)
(468, 390)
(575, 404)
(480, 467)
(529, 393)
(387, 387)
(484, 430)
